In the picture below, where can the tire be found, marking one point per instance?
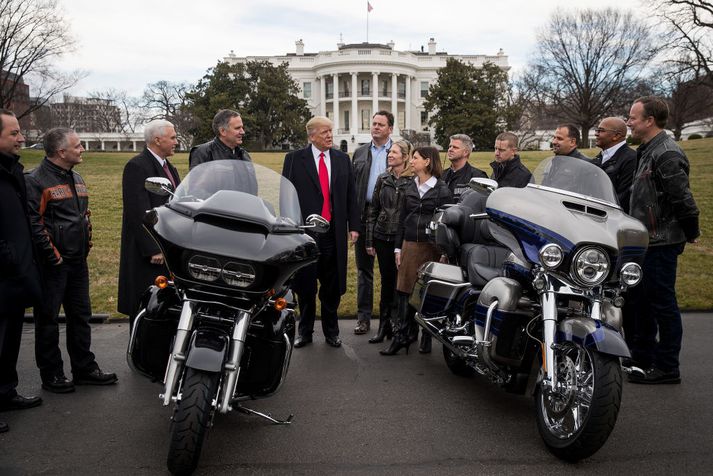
(456, 364)
(190, 420)
(576, 420)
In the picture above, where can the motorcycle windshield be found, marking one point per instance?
(574, 176)
(241, 189)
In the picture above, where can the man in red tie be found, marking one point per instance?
(324, 181)
(141, 259)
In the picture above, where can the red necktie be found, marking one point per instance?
(168, 173)
(324, 183)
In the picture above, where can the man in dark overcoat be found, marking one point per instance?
(324, 180)
(19, 276)
(617, 159)
(141, 259)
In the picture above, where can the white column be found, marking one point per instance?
(354, 129)
(374, 94)
(118, 145)
(133, 145)
(103, 145)
(407, 111)
(395, 102)
(322, 97)
(335, 103)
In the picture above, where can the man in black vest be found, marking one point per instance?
(19, 275)
(617, 159)
(458, 175)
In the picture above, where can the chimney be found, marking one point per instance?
(391, 44)
(432, 46)
(300, 47)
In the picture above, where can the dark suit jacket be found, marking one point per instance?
(299, 168)
(136, 272)
(620, 169)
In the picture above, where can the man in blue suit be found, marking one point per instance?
(324, 180)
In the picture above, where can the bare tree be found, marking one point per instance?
(587, 60)
(122, 112)
(167, 100)
(688, 99)
(33, 33)
(689, 37)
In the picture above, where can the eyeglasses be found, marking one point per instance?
(599, 130)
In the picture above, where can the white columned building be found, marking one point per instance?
(351, 83)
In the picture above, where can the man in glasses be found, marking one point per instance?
(617, 159)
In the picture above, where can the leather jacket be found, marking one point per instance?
(417, 212)
(215, 150)
(458, 181)
(511, 173)
(661, 197)
(386, 204)
(58, 203)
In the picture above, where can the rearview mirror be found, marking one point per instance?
(159, 185)
(316, 223)
(483, 184)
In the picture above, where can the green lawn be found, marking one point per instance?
(102, 172)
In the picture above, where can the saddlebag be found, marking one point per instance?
(436, 288)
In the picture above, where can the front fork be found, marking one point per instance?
(232, 364)
(548, 299)
(178, 355)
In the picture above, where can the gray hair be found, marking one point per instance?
(55, 140)
(155, 129)
(465, 139)
(222, 118)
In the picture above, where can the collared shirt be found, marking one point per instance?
(609, 153)
(327, 161)
(161, 161)
(425, 186)
(378, 166)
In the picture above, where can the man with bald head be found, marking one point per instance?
(617, 159)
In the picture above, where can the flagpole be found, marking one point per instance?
(367, 21)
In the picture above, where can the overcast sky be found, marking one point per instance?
(128, 43)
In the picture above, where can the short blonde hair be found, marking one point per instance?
(318, 121)
(406, 150)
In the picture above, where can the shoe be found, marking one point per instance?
(333, 341)
(302, 341)
(384, 331)
(3, 427)
(58, 384)
(655, 376)
(396, 345)
(18, 402)
(362, 328)
(95, 377)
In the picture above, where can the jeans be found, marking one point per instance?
(65, 285)
(656, 310)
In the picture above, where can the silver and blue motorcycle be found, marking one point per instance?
(532, 296)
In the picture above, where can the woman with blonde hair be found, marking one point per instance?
(382, 226)
(413, 245)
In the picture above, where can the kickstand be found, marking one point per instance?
(268, 417)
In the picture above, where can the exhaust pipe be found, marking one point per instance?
(432, 329)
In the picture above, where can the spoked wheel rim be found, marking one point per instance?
(566, 407)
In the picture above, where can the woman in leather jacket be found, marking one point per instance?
(413, 245)
(382, 226)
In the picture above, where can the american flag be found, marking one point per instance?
(369, 8)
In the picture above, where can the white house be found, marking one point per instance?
(352, 82)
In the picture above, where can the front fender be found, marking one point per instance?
(592, 334)
(206, 351)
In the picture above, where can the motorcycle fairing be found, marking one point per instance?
(593, 334)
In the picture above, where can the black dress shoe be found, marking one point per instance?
(18, 402)
(302, 341)
(95, 377)
(333, 341)
(656, 376)
(58, 384)
(3, 427)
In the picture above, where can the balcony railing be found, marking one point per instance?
(328, 95)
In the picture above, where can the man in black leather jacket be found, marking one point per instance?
(59, 213)
(508, 170)
(458, 175)
(229, 132)
(661, 198)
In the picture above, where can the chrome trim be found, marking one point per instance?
(456, 287)
(488, 321)
(132, 342)
(175, 361)
(574, 194)
(231, 368)
(266, 416)
(549, 324)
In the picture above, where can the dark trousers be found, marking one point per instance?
(10, 338)
(365, 280)
(388, 271)
(325, 270)
(656, 310)
(68, 285)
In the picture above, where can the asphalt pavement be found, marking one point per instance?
(356, 412)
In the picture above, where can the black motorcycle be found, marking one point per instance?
(533, 298)
(219, 330)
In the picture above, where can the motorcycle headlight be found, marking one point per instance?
(631, 274)
(590, 266)
(204, 268)
(551, 256)
(241, 275)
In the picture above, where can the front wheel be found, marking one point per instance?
(191, 420)
(576, 418)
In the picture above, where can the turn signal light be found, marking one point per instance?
(280, 304)
(161, 282)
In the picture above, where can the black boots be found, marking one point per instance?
(424, 346)
(403, 327)
(385, 331)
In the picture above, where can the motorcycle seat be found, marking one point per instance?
(483, 262)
